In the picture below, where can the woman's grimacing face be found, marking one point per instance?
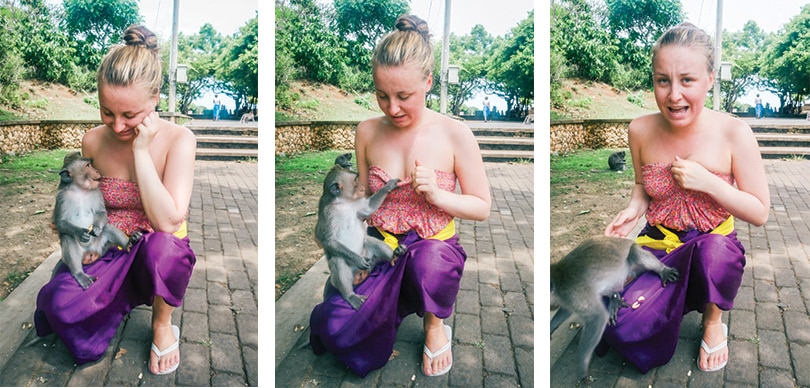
(681, 81)
(122, 108)
(401, 92)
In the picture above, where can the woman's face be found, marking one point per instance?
(681, 80)
(401, 92)
(123, 108)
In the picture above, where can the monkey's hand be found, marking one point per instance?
(669, 275)
(399, 251)
(616, 302)
(133, 238)
(390, 185)
(87, 235)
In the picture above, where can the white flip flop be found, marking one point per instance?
(710, 351)
(171, 348)
(431, 355)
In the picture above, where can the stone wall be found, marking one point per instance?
(571, 135)
(300, 136)
(18, 137)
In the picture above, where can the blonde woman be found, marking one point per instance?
(429, 152)
(147, 168)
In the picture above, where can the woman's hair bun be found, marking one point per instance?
(413, 23)
(141, 36)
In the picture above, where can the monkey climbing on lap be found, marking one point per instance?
(341, 228)
(80, 218)
(598, 267)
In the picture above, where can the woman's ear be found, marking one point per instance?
(429, 82)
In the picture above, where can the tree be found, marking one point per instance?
(743, 50)
(239, 66)
(361, 23)
(590, 51)
(786, 63)
(200, 52)
(45, 48)
(96, 25)
(511, 67)
(470, 53)
(303, 34)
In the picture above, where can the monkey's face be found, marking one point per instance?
(82, 173)
(350, 187)
(124, 107)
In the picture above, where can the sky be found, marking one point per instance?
(770, 16)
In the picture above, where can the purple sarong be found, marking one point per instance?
(711, 269)
(86, 320)
(425, 279)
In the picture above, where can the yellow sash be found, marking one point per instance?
(448, 232)
(182, 232)
(672, 241)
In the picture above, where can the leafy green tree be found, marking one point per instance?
(511, 67)
(786, 63)
(239, 66)
(200, 52)
(11, 61)
(361, 23)
(743, 50)
(45, 48)
(302, 33)
(470, 53)
(590, 51)
(95, 25)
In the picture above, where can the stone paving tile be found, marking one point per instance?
(769, 326)
(493, 321)
(219, 321)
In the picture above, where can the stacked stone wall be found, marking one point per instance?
(19, 137)
(570, 135)
(295, 137)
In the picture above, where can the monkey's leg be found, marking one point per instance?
(594, 322)
(341, 277)
(641, 259)
(377, 249)
(72, 254)
(560, 317)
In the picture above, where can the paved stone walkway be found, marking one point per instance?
(218, 319)
(493, 321)
(769, 327)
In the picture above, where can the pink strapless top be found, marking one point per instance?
(124, 208)
(677, 208)
(404, 209)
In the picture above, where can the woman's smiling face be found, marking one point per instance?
(123, 108)
(681, 80)
(401, 92)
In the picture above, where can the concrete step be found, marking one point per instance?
(213, 130)
(507, 156)
(505, 143)
(222, 141)
(784, 152)
(227, 154)
(783, 139)
(504, 132)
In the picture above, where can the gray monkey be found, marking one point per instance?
(598, 267)
(81, 218)
(341, 228)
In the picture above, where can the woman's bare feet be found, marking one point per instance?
(359, 277)
(435, 339)
(89, 258)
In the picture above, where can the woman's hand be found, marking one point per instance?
(623, 223)
(691, 175)
(424, 181)
(146, 131)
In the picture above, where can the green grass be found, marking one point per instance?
(41, 165)
(305, 167)
(577, 166)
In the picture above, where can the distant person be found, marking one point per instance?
(758, 104)
(696, 172)
(217, 106)
(486, 108)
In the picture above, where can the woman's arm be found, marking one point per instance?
(165, 199)
(626, 220)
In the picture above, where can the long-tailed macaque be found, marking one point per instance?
(598, 267)
(81, 218)
(341, 228)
